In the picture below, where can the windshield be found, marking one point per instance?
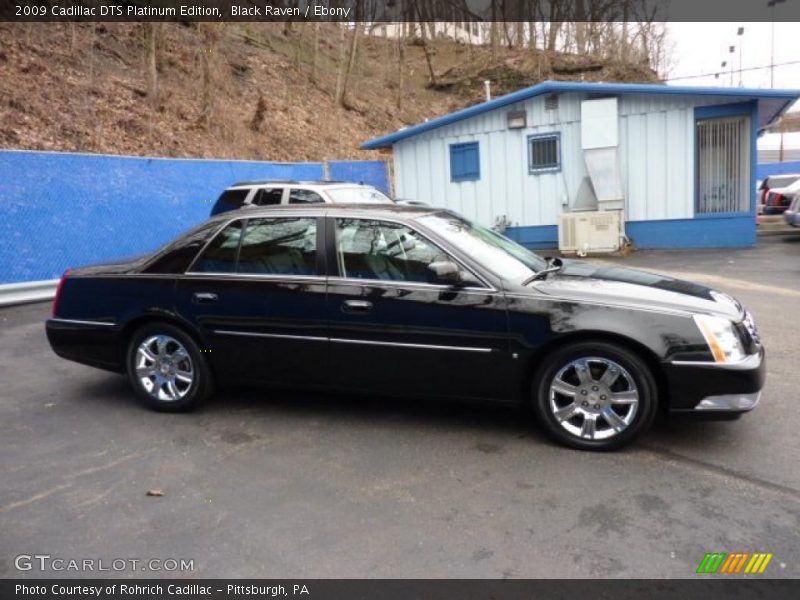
(497, 253)
(357, 194)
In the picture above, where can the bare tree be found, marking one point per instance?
(316, 53)
(421, 14)
(400, 60)
(339, 95)
(152, 31)
(210, 36)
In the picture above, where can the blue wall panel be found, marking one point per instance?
(371, 172)
(60, 210)
(765, 169)
(542, 236)
(707, 232)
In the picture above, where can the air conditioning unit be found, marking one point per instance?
(589, 231)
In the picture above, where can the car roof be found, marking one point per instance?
(363, 209)
(792, 187)
(782, 176)
(295, 182)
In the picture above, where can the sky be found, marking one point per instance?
(701, 47)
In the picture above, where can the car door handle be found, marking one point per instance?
(356, 307)
(204, 298)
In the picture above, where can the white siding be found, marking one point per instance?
(656, 160)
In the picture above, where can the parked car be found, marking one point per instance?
(792, 214)
(270, 193)
(773, 199)
(409, 301)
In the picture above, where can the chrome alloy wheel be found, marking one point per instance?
(594, 398)
(164, 368)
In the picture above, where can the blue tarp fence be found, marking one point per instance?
(779, 168)
(59, 210)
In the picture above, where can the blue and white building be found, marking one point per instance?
(677, 163)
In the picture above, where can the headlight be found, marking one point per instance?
(721, 337)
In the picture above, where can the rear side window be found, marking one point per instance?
(230, 200)
(268, 197)
(177, 257)
(279, 247)
(304, 197)
(378, 250)
(220, 256)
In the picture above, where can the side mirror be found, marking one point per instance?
(446, 272)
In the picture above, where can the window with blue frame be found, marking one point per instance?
(544, 152)
(465, 162)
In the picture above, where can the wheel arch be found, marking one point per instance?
(534, 363)
(132, 326)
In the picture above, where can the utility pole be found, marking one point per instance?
(740, 33)
(730, 50)
(771, 4)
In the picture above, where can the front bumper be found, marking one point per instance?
(716, 389)
(792, 217)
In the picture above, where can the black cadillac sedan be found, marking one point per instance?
(409, 301)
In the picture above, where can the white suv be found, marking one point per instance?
(265, 193)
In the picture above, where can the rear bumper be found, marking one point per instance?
(713, 390)
(774, 210)
(93, 343)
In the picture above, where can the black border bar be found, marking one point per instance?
(379, 11)
(709, 587)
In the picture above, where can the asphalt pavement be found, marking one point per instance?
(278, 484)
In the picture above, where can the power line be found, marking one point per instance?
(713, 73)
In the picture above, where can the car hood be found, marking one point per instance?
(632, 287)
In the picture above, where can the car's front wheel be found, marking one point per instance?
(595, 395)
(166, 369)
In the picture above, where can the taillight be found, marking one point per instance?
(778, 199)
(59, 289)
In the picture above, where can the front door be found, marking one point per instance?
(395, 329)
(257, 293)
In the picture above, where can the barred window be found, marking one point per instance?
(544, 152)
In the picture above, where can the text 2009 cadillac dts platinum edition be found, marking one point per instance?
(409, 301)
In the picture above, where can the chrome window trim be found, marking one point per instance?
(255, 276)
(331, 213)
(405, 284)
(82, 322)
(332, 281)
(284, 336)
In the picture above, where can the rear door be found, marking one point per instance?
(395, 330)
(257, 292)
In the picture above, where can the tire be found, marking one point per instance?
(594, 395)
(179, 377)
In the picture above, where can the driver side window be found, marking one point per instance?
(380, 250)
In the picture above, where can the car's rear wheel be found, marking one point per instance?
(595, 396)
(166, 369)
